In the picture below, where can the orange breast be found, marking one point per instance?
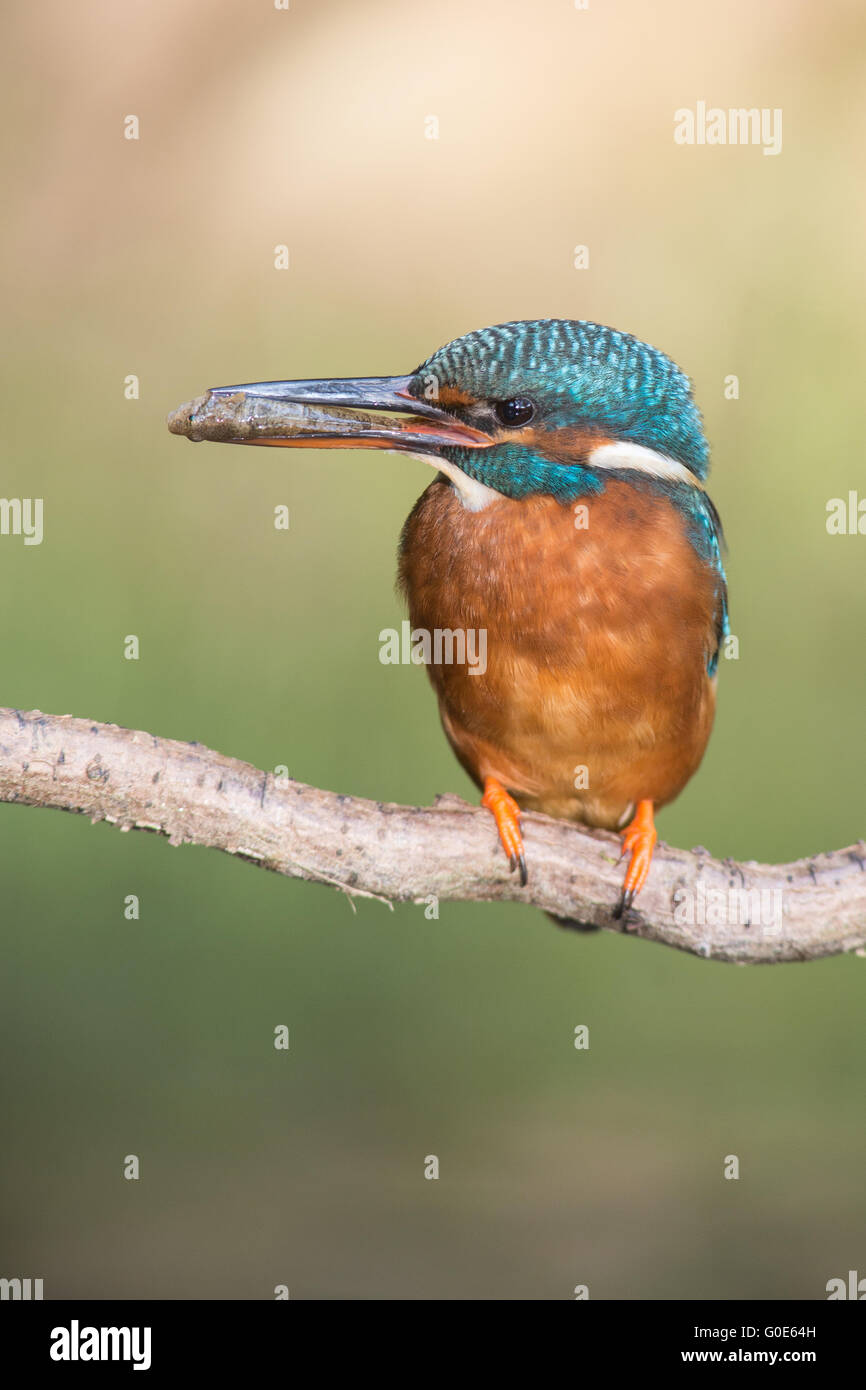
(598, 624)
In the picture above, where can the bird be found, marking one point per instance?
(568, 522)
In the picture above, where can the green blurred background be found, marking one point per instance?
(412, 1037)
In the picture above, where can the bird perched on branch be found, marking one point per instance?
(569, 523)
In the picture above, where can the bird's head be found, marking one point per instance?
(546, 406)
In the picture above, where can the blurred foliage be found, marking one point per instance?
(409, 1036)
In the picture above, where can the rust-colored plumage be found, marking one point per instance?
(599, 624)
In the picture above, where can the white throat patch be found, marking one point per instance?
(475, 496)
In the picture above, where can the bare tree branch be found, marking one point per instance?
(747, 912)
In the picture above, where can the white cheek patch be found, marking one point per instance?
(475, 496)
(642, 460)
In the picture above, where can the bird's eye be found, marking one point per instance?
(517, 411)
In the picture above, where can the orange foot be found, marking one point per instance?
(506, 813)
(638, 839)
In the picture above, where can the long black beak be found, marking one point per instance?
(350, 412)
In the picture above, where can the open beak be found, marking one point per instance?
(352, 413)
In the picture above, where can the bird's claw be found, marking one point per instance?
(638, 840)
(626, 899)
(506, 813)
(518, 861)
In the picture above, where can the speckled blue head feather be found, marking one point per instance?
(580, 373)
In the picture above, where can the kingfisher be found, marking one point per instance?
(569, 522)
